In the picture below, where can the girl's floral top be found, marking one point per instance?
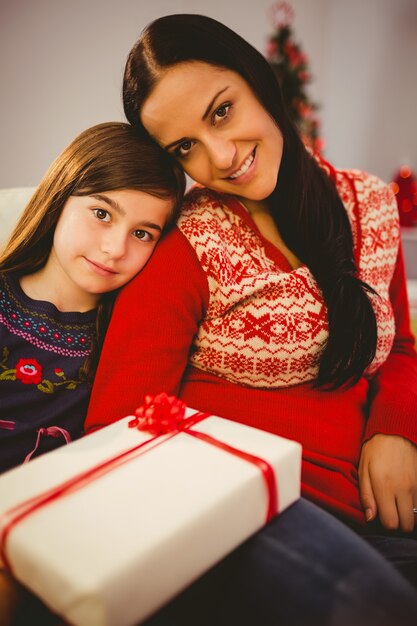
(43, 394)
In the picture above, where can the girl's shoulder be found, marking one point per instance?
(22, 309)
(11, 302)
(7, 284)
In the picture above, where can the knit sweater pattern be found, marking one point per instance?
(266, 324)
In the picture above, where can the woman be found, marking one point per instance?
(283, 303)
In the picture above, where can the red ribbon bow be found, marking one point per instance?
(160, 414)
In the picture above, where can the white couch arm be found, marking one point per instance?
(12, 202)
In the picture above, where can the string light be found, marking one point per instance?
(404, 186)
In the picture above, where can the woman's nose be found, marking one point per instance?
(222, 152)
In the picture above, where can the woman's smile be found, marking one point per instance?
(210, 120)
(245, 168)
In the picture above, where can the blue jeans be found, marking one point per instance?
(305, 568)
(398, 548)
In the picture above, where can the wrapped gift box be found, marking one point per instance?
(115, 550)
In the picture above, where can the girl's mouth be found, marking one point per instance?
(100, 269)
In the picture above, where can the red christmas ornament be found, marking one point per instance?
(404, 187)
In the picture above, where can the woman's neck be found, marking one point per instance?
(256, 206)
(261, 214)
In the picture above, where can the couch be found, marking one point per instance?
(12, 202)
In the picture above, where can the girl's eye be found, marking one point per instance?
(143, 235)
(183, 149)
(221, 112)
(102, 215)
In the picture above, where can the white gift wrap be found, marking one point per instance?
(118, 549)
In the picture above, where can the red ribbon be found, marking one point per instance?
(164, 417)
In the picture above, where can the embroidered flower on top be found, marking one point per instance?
(29, 371)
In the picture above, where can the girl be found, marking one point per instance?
(287, 303)
(91, 225)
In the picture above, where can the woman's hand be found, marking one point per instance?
(388, 481)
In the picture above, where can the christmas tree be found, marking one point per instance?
(290, 65)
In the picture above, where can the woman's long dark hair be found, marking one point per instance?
(106, 157)
(305, 203)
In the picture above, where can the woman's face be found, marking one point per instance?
(211, 121)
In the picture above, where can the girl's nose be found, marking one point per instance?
(222, 152)
(114, 244)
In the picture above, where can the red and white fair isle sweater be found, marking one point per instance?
(220, 319)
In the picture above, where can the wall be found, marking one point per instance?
(370, 90)
(61, 66)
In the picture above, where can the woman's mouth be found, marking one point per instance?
(244, 167)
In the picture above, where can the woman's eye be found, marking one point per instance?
(102, 215)
(143, 235)
(183, 148)
(221, 112)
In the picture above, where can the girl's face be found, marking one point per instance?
(209, 118)
(102, 240)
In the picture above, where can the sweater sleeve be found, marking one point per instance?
(150, 334)
(393, 407)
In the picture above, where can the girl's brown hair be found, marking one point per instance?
(105, 157)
